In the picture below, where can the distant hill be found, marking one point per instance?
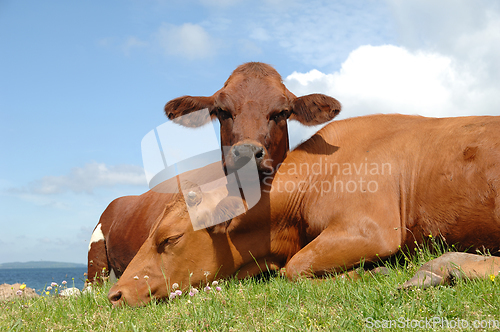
(39, 265)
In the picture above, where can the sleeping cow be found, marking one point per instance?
(252, 108)
(360, 189)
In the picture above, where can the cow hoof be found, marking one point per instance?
(381, 270)
(423, 280)
(456, 274)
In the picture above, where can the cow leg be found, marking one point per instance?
(334, 250)
(452, 266)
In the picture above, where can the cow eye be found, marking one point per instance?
(280, 116)
(223, 115)
(168, 242)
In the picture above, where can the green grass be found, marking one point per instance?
(273, 305)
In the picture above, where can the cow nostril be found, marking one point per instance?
(259, 154)
(236, 152)
(114, 298)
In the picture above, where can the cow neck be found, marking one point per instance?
(249, 236)
(287, 227)
(259, 225)
(295, 184)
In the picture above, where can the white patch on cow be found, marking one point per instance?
(96, 236)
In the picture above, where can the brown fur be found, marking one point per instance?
(430, 189)
(255, 69)
(247, 108)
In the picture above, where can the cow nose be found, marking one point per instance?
(115, 298)
(248, 151)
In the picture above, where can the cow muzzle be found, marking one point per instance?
(115, 297)
(119, 296)
(241, 153)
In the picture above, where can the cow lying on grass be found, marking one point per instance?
(252, 108)
(359, 190)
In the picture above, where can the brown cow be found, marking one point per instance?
(359, 190)
(252, 109)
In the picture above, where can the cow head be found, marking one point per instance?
(252, 109)
(175, 253)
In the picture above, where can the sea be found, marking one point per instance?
(40, 279)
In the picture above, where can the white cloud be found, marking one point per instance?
(468, 31)
(321, 33)
(312, 32)
(188, 40)
(133, 43)
(440, 24)
(390, 79)
(191, 41)
(87, 178)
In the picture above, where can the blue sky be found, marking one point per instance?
(81, 83)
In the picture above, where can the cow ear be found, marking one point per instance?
(178, 110)
(224, 212)
(315, 109)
